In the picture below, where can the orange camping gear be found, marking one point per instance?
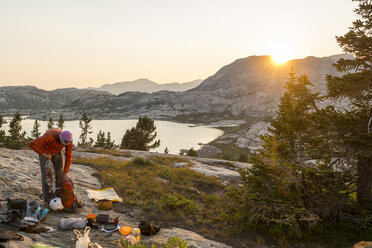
(125, 230)
(91, 216)
(104, 204)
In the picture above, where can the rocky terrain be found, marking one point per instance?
(20, 177)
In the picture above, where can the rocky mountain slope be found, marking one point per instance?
(247, 87)
(145, 85)
(32, 98)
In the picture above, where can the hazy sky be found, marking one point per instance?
(80, 43)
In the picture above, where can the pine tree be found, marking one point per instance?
(101, 140)
(16, 138)
(86, 128)
(192, 153)
(166, 151)
(108, 142)
(289, 133)
(35, 131)
(356, 85)
(61, 122)
(50, 123)
(140, 137)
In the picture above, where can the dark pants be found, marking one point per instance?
(51, 176)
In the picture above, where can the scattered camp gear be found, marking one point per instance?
(33, 209)
(90, 224)
(104, 194)
(148, 228)
(71, 223)
(43, 214)
(56, 204)
(83, 239)
(8, 231)
(33, 229)
(50, 179)
(17, 204)
(15, 215)
(30, 221)
(91, 216)
(103, 218)
(136, 232)
(125, 230)
(66, 192)
(105, 204)
(110, 227)
(130, 239)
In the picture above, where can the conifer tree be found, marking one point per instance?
(191, 152)
(290, 130)
(61, 122)
(140, 137)
(166, 151)
(50, 123)
(35, 131)
(16, 138)
(108, 142)
(101, 140)
(86, 128)
(356, 85)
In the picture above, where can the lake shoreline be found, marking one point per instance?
(173, 136)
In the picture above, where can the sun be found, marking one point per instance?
(280, 58)
(281, 53)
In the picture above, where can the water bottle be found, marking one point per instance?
(137, 234)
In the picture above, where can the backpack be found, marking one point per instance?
(66, 193)
(148, 228)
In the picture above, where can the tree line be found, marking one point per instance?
(139, 137)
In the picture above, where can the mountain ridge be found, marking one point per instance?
(250, 86)
(145, 85)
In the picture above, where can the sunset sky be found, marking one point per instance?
(80, 43)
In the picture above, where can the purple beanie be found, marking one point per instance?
(66, 136)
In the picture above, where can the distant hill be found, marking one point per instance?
(33, 98)
(145, 85)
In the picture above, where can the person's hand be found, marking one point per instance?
(47, 155)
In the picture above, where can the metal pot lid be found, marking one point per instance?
(110, 226)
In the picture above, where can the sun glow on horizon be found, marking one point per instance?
(280, 59)
(281, 53)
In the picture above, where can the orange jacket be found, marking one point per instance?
(49, 143)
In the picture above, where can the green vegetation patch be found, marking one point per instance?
(231, 152)
(153, 185)
(111, 152)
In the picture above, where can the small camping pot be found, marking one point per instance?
(105, 204)
(103, 218)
